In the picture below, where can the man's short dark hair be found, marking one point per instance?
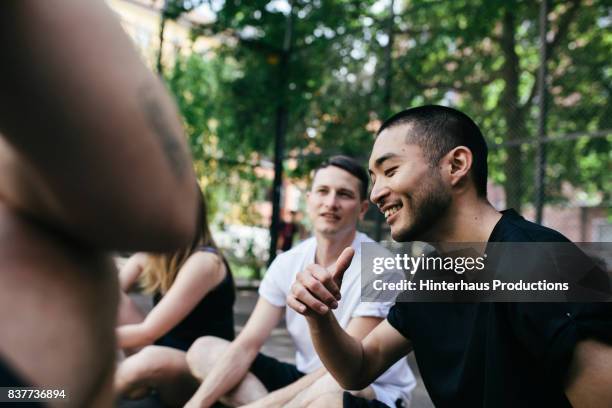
(352, 166)
(439, 129)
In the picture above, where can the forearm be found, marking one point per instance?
(589, 376)
(147, 331)
(102, 146)
(225, 375)
(341, 354)
(132, 336)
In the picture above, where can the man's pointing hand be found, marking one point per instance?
(316, 289)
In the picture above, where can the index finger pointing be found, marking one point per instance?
(342, 264)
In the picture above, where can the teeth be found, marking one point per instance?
(390, 211)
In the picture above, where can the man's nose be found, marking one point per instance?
(331, 199)
(378, 193)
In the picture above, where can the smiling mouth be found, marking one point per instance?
(392, 210)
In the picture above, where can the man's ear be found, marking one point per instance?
(459, 162)
(365, 204)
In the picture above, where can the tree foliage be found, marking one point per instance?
(481, 56)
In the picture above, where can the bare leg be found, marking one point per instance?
(155, 367)
(327, 400)
(202, 357)
(58, 308)
(328, 390)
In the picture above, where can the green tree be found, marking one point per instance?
(198, 85)
(482, 56)
(243, 101)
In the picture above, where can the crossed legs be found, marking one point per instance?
(325, 392)
(202, 357)
(156, 367)
(167, 371)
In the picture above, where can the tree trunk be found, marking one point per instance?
(513, 114)
(162, 27)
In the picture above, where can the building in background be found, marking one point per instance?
(142, 20)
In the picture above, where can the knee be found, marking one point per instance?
(138, 366)
(202, 348)
(149, 353)
(203, 353)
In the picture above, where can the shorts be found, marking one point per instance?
(173, 342)
(274, 374)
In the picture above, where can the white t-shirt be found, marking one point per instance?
(398, 380)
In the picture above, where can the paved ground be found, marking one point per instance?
(279, 345)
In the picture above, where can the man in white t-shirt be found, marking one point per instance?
(237, 373)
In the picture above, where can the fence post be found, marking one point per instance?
(282, 114)
(540, 173)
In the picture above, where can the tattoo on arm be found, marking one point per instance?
(156, 118)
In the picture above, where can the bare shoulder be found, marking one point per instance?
(206, 265)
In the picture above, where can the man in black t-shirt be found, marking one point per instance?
(429, 172)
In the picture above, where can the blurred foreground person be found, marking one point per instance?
(236, 373)
(193, 292)
(92, 159)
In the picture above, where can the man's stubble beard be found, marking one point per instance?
(331, 232)
(427, 205)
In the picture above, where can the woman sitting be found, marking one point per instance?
(193, 295)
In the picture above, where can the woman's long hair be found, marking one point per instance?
(161, 269)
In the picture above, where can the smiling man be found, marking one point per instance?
(236, 373)
(429, 171)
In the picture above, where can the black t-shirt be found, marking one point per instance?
(500, 354)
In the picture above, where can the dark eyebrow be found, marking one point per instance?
(346, 190)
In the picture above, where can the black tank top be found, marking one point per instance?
(213, 316)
